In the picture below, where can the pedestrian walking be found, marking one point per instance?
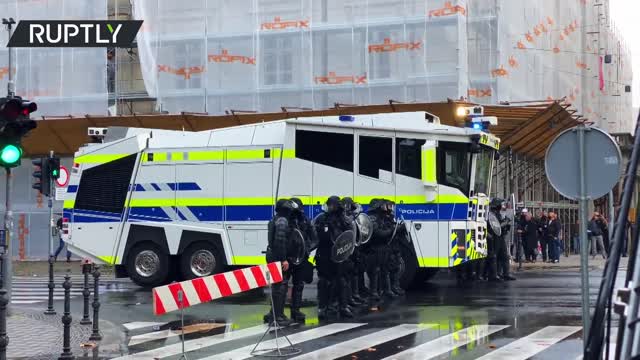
(553, 237)
(595, 231)
(543, 222)
(61, 243)
(528, 231)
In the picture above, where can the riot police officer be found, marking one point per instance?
(356, 263)
(377, 248)
(497, 256)
(332, 283)
(279, 231)
(299, 267)
(395, 254)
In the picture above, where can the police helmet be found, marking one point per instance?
(349, 204)
(299, 204)
(285, 206)
(334, 204)
(375, 204)
(496, 203)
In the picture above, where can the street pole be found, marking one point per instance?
(7, 268)
(612, 217)
(50, 203)
(584, 242)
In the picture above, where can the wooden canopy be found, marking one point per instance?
(526, 128)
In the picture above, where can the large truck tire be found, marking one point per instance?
(147, 264)
(201, 259)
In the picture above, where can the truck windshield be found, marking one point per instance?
(483, 171)
(454, 163)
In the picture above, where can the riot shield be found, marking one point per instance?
(297, 247)
(494, 223)
(343, 246)
(365, 229)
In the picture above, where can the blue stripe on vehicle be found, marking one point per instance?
(139, 187)
(72, 188)
(155, 186)
(148, 212)
(182, 217)
(93, 219)
(207, 213)
(172, 186)
(249, 213)
(77, 211)
(188, 186)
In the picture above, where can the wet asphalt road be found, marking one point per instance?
(538, 299)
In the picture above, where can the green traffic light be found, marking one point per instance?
(54, 172)
(10, 154)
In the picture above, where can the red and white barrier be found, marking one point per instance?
(208, 288)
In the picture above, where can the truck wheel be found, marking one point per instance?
(200, 259)
(408, 267)
(148, 265)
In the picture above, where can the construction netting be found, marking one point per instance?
(63, 81)
(262, 55)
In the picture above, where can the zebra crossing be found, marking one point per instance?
(31, 290)
(157, 340)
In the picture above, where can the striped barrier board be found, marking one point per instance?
(208, 288)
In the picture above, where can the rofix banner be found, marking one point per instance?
(84, 33)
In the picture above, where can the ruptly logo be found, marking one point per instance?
(89, 33)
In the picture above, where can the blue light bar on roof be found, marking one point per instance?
(346, 118)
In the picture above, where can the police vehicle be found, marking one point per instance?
(161, 205)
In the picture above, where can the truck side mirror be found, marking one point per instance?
(429, 178)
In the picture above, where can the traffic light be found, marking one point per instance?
(15, 123)
(54, 167)
(42, 174)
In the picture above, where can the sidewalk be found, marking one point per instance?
(35, 336)
(41, 268)
(572, 262)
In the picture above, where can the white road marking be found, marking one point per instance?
(444, 344)
(195, 344)
(315, 333)
(142, 325)
(363, 342)
(532, 344)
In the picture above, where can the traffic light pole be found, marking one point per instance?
(7, 267)
(11, 91)
(50, 203)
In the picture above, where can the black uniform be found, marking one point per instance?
(357, 263)
(332, 283)
(278, 242)
(302, 272)
(395, 254)
(498, 256)
(377, 250)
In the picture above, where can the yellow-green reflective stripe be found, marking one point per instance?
(108, 259)
(286, 153)
(249, 260)
(307, 200)
(160, 156)
(69, 204)
(245, 154)
(206, 155)
(177, 156)
(457, 262)
(98, 158)
(152, 202)
(429, 165)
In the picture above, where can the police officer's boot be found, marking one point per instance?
(296, 302)
(323, 299)
(374, 281)
(355, 292)
(345, 311)
(506, 276)
(279, 298)
(362, 289)
(386, 286)
(395, 283)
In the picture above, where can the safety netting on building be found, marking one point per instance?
(262, 55)
(63, 81)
